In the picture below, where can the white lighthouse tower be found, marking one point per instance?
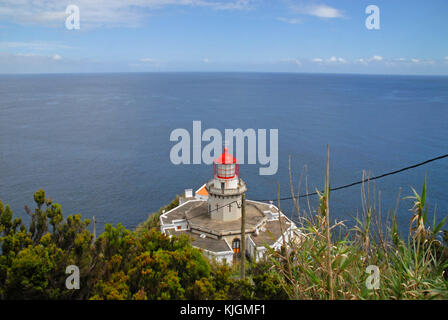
(225, 189)
(212, 217)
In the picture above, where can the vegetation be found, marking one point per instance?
(329, 261)
(120, 264)
(333, 261)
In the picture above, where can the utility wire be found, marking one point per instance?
(334, 189)
(365, 180)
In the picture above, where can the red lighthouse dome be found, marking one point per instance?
(225, 166)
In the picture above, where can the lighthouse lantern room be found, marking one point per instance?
(226, 170)
(225, 189)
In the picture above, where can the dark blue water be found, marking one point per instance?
(99, 144)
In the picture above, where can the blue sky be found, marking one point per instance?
(219, 35)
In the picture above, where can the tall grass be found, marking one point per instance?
(329, 260)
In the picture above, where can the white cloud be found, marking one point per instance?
(366, 61)
(289, 20)
(99, 12)
(321, 11)
(396, 61)
(229, 5)
(31, 62)
(26, 55)
(293, 61)
(37, 56)
(334, 59)
(362, 60)
(34, 45)
(423, 62)
(148, 60)
(376, 58)
(205, 60)
(318, 60)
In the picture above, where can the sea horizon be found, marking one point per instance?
(231, 72)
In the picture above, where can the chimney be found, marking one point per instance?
(188, 193)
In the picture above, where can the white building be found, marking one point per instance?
(212, 217)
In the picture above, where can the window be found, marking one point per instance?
(236, 245)
(230, 207)
(178, 228)
(225, 170)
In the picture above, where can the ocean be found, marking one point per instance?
(99, 144)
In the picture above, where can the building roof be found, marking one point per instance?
(199, 219)
(178, 213)
(225, 158)
(263, 206)
(207, 243)
(202, 190)
(261, 218)
(271, 233)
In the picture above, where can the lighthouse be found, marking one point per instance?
(211, 217)
(225, 189)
